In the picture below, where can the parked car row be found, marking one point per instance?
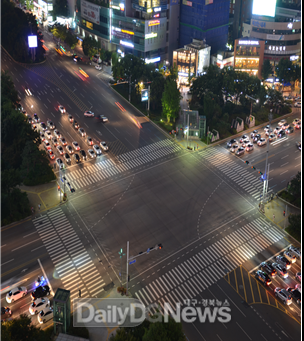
(245, 144)
(269, 270)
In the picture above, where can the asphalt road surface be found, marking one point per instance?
(202, 207)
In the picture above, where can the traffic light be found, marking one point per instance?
(260, 173)
(160, 246)
(253, 168)
(247, 162)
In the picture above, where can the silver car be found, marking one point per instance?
(283, 294)
(261, 142)
(45, 315)
(240, 151)
(245, 143)
(272, 137)
(104, 146)
(69, 149)
(253, 133)
(283, 261)
(243, 138)
(296, 251)
(280, 270)
(82, 132)
(234, 148)
(91, 153)
(57, 133)
(97, 150)
(291, 257)
(15, 294)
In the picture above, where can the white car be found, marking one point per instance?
(245, 143)
(104, 146)
(38, 305)
(69, 149)
(295, 121)
(234, 148)
(267, 127)
(98, 67)
(60, 163)
(249, 147)
(45, 315)
(91, 153)
(297, 105)
(254, 133)
(82, 132)
(291, 257)
(261, 142)
(57, 133)
(89, 113)
(240, 151)
(60, 150)
(75, 145)
(61, 109)
(272, 137)
(243, 138)
(296, 251)
(48, 134)
(15, 294)
(298, 276)
(282, 122)
(283, 295)
(277, 129)
(97, 150)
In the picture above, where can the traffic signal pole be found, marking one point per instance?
(265, 187)
(127, 268)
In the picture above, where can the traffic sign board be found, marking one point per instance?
(148, 250)
(132, 261)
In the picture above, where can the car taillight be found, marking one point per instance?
(268, 283)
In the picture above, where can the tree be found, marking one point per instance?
(294, 187)
(267, 69)
(149, 331)
(90, 46)
(35, 168)
(21, 329)
(157, 89)
(294, 227)
(284, 70)
(171, 100)
(60, 32)
(71, 40)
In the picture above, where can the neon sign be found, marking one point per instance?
(154, 22)
(151, 35)
(122, 42)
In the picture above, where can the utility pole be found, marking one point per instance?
(130, 88)
(265, 187)
(121, 254)
(127, 268)
(188, 131)
(148, 99)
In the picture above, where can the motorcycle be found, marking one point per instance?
(40, 281)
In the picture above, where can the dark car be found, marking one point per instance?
(40, 292)
(75, 125)
(289, 130)
(76, 59)
(263, 277)
(102, 118)
(36, 118)
(281, 133)
(50, 124)
(231, 143)
(5, 313)
(295, 294)
(43, 126)
(83, 154)
(256, 138)
(76, 158)
(268, 268)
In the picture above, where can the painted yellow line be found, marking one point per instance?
(259, 291)
(251, 288)
(236, 285)
(267, 294)
(24, 264)
(18, 223)
(243, 284)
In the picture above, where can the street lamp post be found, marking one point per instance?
(267, 166)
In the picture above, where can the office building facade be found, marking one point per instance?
(204, 20)
(131, 26)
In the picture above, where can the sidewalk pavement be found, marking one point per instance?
(103, 333)
(46, 195)
(274, 211)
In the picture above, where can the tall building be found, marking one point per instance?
(146, 29)
(204, 20)
(280, 29)
(241, 10)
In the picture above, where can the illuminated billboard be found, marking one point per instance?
(265, 8)
(32, 41)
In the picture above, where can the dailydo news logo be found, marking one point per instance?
(130, 312)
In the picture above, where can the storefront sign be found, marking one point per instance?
(294, 58)
(258, 23)
(248, 42)
(89, 25)
(126, 43)
(274, 37)
(152, 60)
(144, 95)
(90, 12)
(157, 9)
(151, 35)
